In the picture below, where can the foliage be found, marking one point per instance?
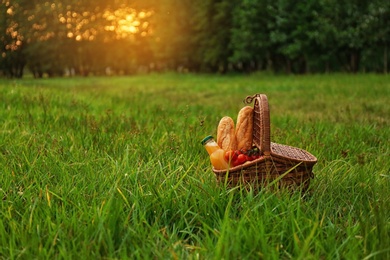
(250, 40)
(126, 37)
(212, 24)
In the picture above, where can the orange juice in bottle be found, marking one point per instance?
(217, 155)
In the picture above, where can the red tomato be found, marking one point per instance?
(229, 155)
(241, 158)
(235, 155)
(235, 163)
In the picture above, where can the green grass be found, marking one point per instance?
(109, 168)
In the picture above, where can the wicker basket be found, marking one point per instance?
(279, 165)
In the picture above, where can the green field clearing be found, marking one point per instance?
(113, 168)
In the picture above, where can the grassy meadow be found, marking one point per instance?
(113, 168)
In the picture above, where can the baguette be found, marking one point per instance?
(226, 138)
(244, 128)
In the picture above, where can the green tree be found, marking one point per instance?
(170, 36)
(46, 37)
(12, 40)
(89, 37)
(378, 33)
(345, 24)
(290, 24)
(213, 23)
(250, 43)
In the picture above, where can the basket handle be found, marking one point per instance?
(261, 122)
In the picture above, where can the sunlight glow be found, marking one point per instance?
(126, 21)
(122, 23)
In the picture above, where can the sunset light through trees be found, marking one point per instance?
(69, 37)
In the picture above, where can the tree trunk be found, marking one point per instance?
(288, 66)
(385, 60)
(327, 67)
(270, 63)
(354, 61)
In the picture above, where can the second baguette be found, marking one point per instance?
(244, 128)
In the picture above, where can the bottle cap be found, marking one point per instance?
(206, 139)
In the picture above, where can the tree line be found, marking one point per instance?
(72, 37)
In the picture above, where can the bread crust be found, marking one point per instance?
(226, 138)
(244, 128)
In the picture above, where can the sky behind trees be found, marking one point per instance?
(100, 37)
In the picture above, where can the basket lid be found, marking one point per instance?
(261, 122)
(292, 153)
(262, 133)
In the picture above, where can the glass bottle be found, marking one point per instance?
(217, 155)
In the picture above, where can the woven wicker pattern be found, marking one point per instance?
(281, 165)
(293, 153)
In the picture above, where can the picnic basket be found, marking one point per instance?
(279, 165)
